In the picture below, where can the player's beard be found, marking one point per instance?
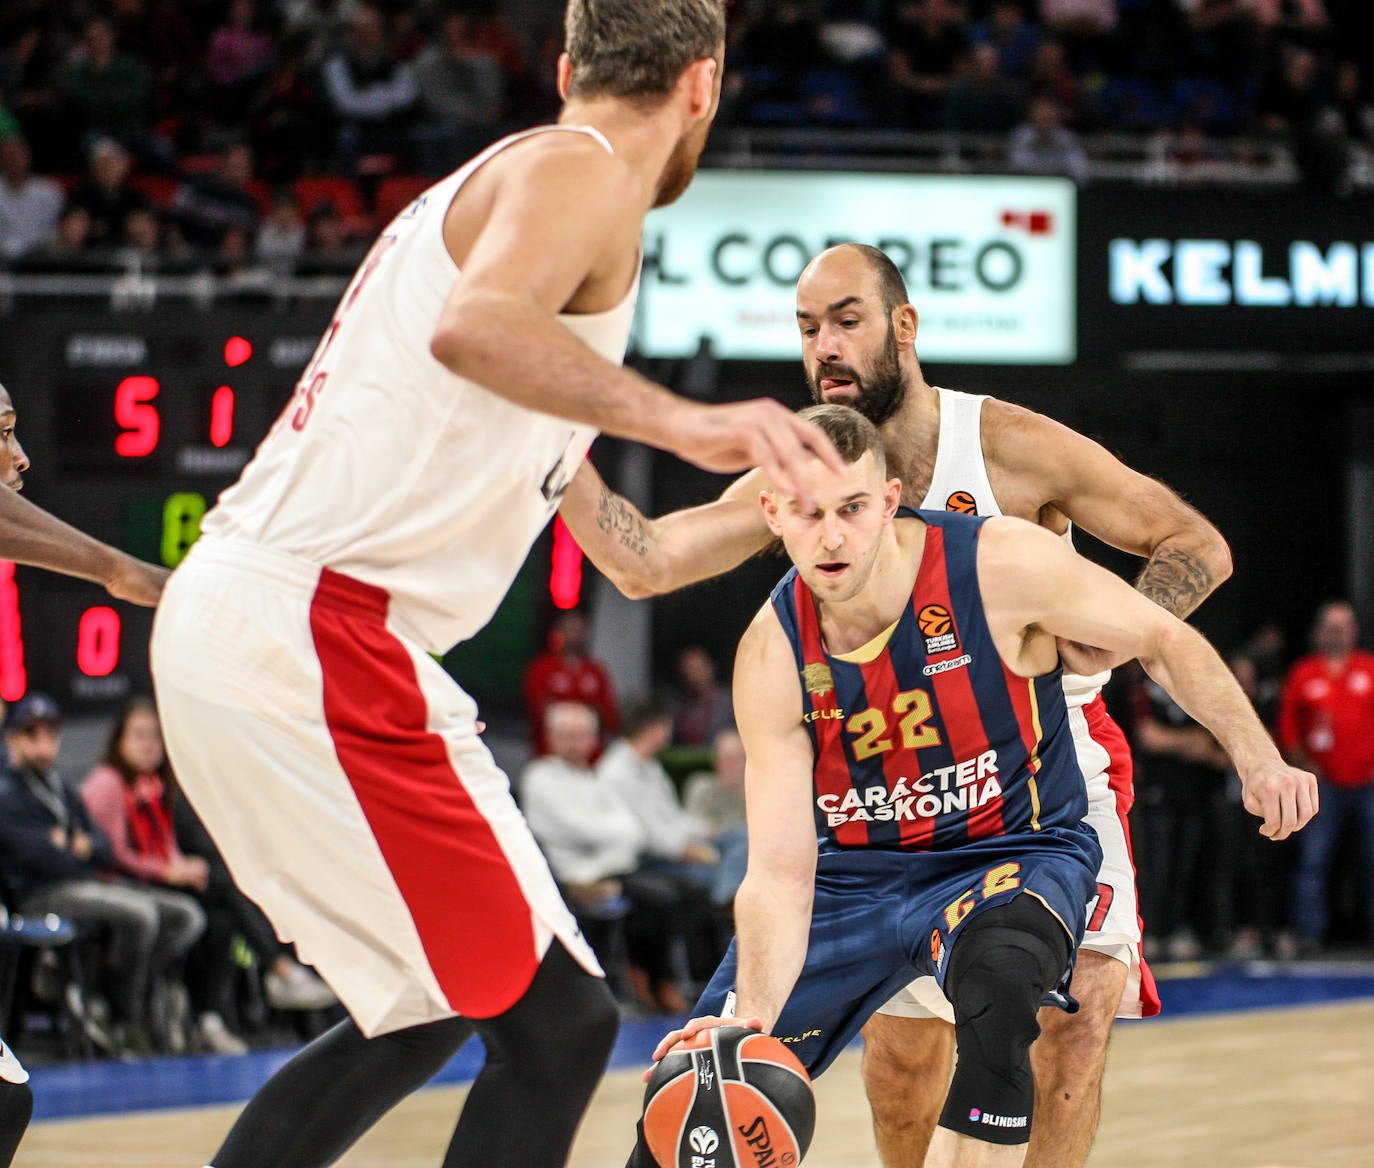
(681, 166)
(879, 393)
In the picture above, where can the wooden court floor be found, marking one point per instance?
(1290, 1088)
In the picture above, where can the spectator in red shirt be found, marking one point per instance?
(1326, 724)
(567, 672)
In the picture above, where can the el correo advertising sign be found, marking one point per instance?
(989, 262)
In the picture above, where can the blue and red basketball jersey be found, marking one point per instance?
(931, 743)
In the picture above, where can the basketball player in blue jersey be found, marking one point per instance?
(29, 535)
(900, 698)
(979, 455)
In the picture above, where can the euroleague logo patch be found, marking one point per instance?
(962, 503)
(937, 626)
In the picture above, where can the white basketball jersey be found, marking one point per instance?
(959, 482)
(389, 468)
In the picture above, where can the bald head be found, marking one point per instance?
(859, 264)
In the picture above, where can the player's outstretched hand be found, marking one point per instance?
(742, 435)
(1283, 796)
(135, 581)
(694, 1027)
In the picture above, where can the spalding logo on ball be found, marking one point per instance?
(730, 1096)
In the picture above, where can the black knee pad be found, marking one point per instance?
(1000, 967)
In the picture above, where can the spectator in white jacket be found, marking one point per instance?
(594, 843)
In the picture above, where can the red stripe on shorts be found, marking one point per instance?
(1103, 730)
(472, 918)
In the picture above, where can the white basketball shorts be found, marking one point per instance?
(339, 770)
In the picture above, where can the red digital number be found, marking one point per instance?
(14, 680)
(141, 422)
(97, 642)
(222, 416)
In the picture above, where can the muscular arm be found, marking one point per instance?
(29, 535)
(773, 905)
(554, 226)
(646, 557)
(1036, 589)
(1186, 557)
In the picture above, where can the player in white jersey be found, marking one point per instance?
(471, 361)
(29, 535)
(978, 455)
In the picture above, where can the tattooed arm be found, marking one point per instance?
(645, 557)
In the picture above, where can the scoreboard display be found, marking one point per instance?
(133, 423)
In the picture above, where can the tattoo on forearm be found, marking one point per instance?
(620, 521)
(1175, 580)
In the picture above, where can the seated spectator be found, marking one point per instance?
(1223, 39)
(981, 100)
(1051, 77)
(1290, 96)
(461, 92)
(237, 61)
(716, 799)
(30, 65)
(109, 92)
(703, 708)
(106, 195)
(328, 245)
(567, 672)
(282, 238)
(1042, 145)
(127, 798)
(677, 845)
(927, 40)
(29, 205)
(593, 843)
(1084, 27)
(371, 94)
(205, 207)
(1014, 38)
(51, 856)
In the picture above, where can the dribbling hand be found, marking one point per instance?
(694, 1027)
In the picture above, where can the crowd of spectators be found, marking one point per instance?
(124, 859)
(255, 136)
(1209, 883)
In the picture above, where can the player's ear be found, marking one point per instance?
(892, 498)
(770, 512)
(905, 321)
(700, 80)
(564, 76)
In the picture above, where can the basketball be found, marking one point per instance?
(729, 1098)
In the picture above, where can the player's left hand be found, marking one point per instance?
(1283, 796)
(135, 581)
(694, 1027)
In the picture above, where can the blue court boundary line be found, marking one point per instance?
(75, 1090)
